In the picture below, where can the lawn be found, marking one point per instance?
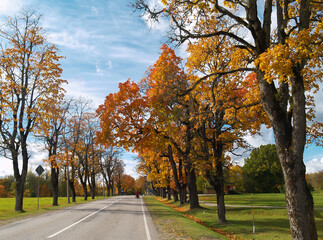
(269, 223)
(259, 199)
(7, 206)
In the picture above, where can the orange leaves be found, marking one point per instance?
(128, 183)
(165, 77)
(122, 116)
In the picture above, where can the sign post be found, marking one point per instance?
(39, 171)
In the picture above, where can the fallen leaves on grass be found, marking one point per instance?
(197, 220)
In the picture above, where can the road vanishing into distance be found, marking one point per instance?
(122, 217)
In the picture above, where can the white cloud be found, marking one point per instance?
(6, 167)
(80, 88)
(314, 165)
(10, 7)
(95, 11)
(37, 155)
(76, 39)
(109, 64)
(162, 24)
(131, 54)
(266, 137)
(318, 98)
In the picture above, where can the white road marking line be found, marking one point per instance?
(146, 226)
(55, 234)
(22, 221)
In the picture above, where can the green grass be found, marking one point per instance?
(172, 224)
(269, 223)
(259, 199)
(8, 213)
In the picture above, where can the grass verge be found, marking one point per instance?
(259, 199)
(173, 224)
(269, 223)
(8, 213)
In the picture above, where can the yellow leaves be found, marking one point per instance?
(230, 4)
(306, 48)
(276, 63)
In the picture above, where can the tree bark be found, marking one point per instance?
(177, 175)
(112, 188)
(290, 137)
(54, 181)
(72, 188)
(19, 194)
(169, 195)
(20, 178)
(93, 185)
(175, 195)
(85, 194)
(192, 188)
(164, 192)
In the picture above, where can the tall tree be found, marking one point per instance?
(52, 134)
(85, 149)
(118, 173)
(30, 86)
(227, 108)
(72, 141)
(287, 59)
(171, 112)
(262, 170)
(110, 163)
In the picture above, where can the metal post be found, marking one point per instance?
(67, 186)
(253, 216)
(38, 194)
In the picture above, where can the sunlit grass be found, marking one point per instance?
(269, 223)
(259, 199)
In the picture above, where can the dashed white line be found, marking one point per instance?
(145, 221)
(55, 234)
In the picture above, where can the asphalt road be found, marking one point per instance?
(123, 217)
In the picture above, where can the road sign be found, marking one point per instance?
(40, 170)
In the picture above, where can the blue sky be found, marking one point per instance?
(105, 43)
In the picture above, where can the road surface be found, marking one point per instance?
(123, 217)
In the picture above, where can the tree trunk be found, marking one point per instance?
(20, 183)
(192, 188)
(169, 193)
(112, 188)
(84, 190)
(72, 188)
(182, 194)
(164, 192)
(290, 137)
(217, 182)
(175, 195)
(93, 188)
(109, 188)
(221, 207)
(54, 180)
(299, 203)
(20, 178)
